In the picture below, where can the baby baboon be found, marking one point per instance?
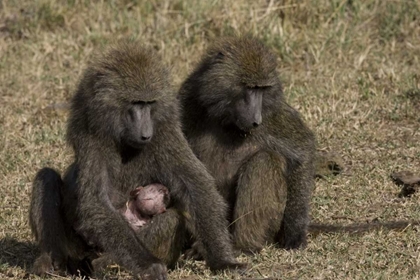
(257, 147)
(144, 203)
(124, 129)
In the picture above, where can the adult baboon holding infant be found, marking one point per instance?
(124, 129)
(257, 147)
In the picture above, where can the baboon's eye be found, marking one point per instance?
(259, 87)
(143, 102)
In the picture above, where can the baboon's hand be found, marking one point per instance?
(44, 264)
(194, 252)
(294, 241)
(156, 271)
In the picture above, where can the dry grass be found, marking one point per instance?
(351, 67)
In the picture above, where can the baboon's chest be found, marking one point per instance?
(130, 175)
(223, 161)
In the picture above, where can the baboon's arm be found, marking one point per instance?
(192, 187)
(100, 223)
(297, 144)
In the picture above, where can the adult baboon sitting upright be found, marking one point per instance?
(257, 147)
(124, 129)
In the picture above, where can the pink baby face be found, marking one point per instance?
(151, 199)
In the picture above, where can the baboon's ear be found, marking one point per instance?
(164, 191)
(217, 57)
(134, 193)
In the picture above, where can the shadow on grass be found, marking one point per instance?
(17, 253)
(21, 255)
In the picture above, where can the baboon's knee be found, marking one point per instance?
(48, 176)
(47, 222)
(165, 236)
(260, 203)
(45, 201)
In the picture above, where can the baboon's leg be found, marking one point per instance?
(47, 223)
(260, 202)
(165, 236)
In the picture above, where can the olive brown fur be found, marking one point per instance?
(125, 131)
(257, 147)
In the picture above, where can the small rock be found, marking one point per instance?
(327, 164)
(410, 182)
